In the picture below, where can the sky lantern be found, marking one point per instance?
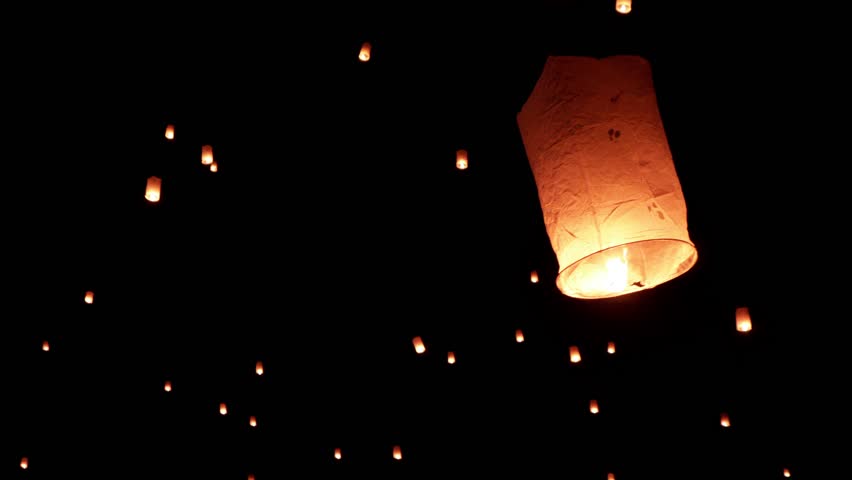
(611, 199)
(534, 277)
(743, 320)
(168, 386)
(338, 454)
(610, 476)
(89, 297)
(251, 476)
(519, 336)
(397, 452)
(725, 420)
(223, 409)
(258, 368)
(152, 189)
(364, 53)
(574, 354)
(623, 6)
(206, 154)
(170, 132)
(45, 346)
(25, 463)
(461, 159)
(418, 345)
(451, 358)
(252, 421)
(214, 167)
(593, 407)
(610, 348)
(786, 473)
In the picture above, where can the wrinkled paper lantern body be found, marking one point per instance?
(609, 192)
(623, 6)
(364, 53)
(743, 320)
(419, 347)
(170, 132)
(152, 189)
(397, 452)
(206, 154)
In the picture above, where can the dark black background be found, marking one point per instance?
(338, 228)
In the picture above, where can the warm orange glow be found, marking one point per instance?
(338, 454)
(593, 407)
(152, 190)
(170, 132)
(610, 476)
(253, 421)
(519, 336)
(725, 420)
(534, 276)
(258, 368)
(45, 346)
(611, 199)
(25, 463)
(418, 345)
(214, 167)
(168, 386)
(610, 348)
(575, 354)
(364, 53)
(787, 473)
(90, 297)
(206, 154)
(461, 159)
(223, 409)
(451, 358)
(623, 6)
(251, 476)
(397, 452)
(743, 320)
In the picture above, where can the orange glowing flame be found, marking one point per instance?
(786, 473)
(534, 276)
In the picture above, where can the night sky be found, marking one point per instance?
(338, 228)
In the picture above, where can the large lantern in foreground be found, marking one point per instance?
(611, 199)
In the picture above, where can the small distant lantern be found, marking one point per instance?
(364, 53)
(786, 473)
(90, 297)
(170, 132)
(519, 336)
(45, 346)
(593, 407)
(418, 345)
(451, 358)
(534, 276)
(725, 420)
(397, 452)
(623, 6)
(258, 368)
(575, 354)
(338, 454)
(223, 409)
(167, 386)
(610, 348)
(461, 159)
(253, 421)
(611, 200)
(206, 154)
(152, 190)
(743, 320)
(25, 463)
(214, 167)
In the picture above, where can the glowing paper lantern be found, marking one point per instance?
(45, 346)
(337, 454)
(223, 409)
(152, 190)
(206, 154)
(364, 53)
(612, 203)
(786, 472)
(623, 6)
(461, 159)
(251, 476)
(725, 420)
(451, 358)
(743, 320)
(25, 463)
(90, 297)
(534, 276)
(610, 476)
(593, 407)
(418, 345)
(253, 421)
(214, 167)
(519, 336)
(168, 386)
(258, 368)
(397, 452)
(574, 354)
(610, 348)
(170, 132)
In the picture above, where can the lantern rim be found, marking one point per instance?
(680, 256)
